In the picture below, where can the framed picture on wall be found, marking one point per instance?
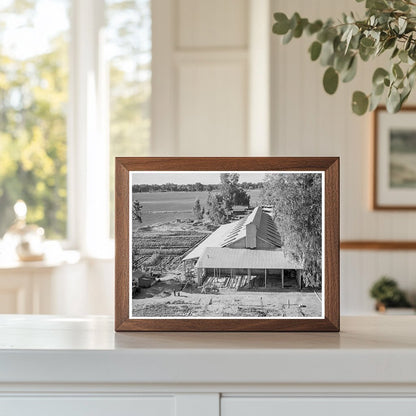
(394, 159)
(227, 244)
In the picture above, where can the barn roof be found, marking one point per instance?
(228, 234)
(216, 239)
(229, 258)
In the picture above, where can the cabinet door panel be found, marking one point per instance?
(87, 406)
(273, 406)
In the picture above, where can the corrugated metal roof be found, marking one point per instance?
(229, 258)
(228, 234)
(216, 239)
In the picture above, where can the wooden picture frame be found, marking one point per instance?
(137, 167)
(391, 174)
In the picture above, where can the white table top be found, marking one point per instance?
(373, 349)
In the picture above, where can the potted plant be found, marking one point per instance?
(387, 294)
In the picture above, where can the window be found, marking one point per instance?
(75, 87)
(129, 43)
(33, 102)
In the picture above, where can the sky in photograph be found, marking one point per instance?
(184, 178)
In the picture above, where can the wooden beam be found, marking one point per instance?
(378, 245)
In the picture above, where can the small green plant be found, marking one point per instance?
(387, 293)
(389, 26)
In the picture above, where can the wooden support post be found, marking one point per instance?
(265, 278)
(283, 278)
(298, 275)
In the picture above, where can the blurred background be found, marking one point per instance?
(83, 81)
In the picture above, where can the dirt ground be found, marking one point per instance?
(160, 301)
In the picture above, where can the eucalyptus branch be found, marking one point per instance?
(389, 25)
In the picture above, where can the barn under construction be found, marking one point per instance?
(243, 255)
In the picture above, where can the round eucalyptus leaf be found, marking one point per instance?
(395, 52)
(403, 96)
(314, 27)
(341, 61)
(294, 20)
(366, 53)
(367, 42)
(327, 54)
(397, 71)
(298, 30)
(403, 56)
(315, 50)
(389, 43)
(379, 75)
(374, 102)
(351, 71)
(281, 27)
(288, 37)
(330, 80)
(322, 36)
(359, 103)
(378, 89)
(393, 101)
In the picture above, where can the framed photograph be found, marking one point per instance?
(394, 154)
(227, 244)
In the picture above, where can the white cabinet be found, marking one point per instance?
(272, 406)
(38, 287)
(79, 366)
(66, 285)
(88, 406)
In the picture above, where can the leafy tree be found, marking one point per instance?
(216, 208)
(137, 211)
(232, 192)
(297, 202)
(33, 101)
(129, 34)
(197, 210)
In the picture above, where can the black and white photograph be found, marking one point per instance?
(226, 244)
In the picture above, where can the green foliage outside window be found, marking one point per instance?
(34, 102)
(33, 99)
(129, 56)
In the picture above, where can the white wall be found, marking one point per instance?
(308, 122)
(216, 72)
(219, 77)
(200, 77)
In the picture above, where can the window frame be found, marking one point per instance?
(87, 128)
(87, 133)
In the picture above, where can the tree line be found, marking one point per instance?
(220, 202)
(297, 202)
(192, 187)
